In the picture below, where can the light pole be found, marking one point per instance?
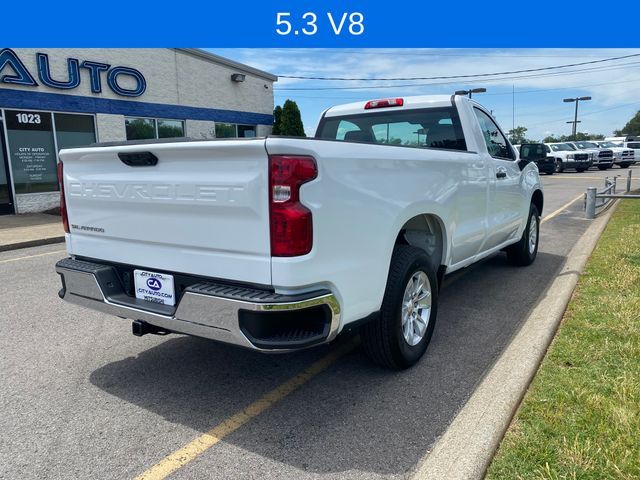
(471, 91)
(575, 118)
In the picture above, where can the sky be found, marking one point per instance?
(536, 104)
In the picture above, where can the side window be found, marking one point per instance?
(496, 142)
(546, 147)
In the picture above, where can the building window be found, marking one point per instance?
(151, 128)
(140, 128)
(74, 130)
(225, 130)
(170, 128)
(31, 151)
(245, 131)
(231, 130)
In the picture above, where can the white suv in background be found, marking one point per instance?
(566, 156)
(635, 146)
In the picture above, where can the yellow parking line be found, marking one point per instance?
(561, 209)
(196, 447)
(31, 256)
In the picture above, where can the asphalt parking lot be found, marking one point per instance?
(80, 397)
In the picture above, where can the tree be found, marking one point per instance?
(580, 136)
(631, 128)
(290, 120)
(277, 119)
(588, 136)
(517, 136)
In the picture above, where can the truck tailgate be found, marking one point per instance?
(202, 209)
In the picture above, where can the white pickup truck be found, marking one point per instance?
(278, 243)
(623, 156)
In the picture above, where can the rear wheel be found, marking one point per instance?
(602, 167)
(525, 251)
(580, 170)
(624, 165)
(401, 333)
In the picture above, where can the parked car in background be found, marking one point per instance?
(537, 153)
(568, 157)
(623, 157)
(602, 158)
(635, 146)
(623, 139)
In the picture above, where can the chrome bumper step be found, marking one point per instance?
(207, 309)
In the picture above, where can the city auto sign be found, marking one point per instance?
(21, 75)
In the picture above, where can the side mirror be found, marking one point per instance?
(523, 162)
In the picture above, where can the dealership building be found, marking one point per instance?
(52, 99)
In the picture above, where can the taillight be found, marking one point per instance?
(290, 221)
(63, 203)
(386, 102)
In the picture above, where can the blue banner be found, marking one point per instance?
(326, 23)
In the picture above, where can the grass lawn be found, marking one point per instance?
(580, 418)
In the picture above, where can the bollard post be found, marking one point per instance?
(615, 184)
(628, 181)
(590, 209)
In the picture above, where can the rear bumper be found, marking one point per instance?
(258, 319)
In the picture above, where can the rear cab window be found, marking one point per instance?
(420, 128)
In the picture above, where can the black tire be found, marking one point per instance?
(580, 170)
(624, 165)
(382, 338)
(520, 254)
(602, 167)
(559, 167)
(550, 172)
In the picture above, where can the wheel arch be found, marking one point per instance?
(537, 198)
(426, 231)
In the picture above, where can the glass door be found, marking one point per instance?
(6, 200)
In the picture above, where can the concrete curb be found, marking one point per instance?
(467, 447)
(31, 243)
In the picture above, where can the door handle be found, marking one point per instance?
(501, 172)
